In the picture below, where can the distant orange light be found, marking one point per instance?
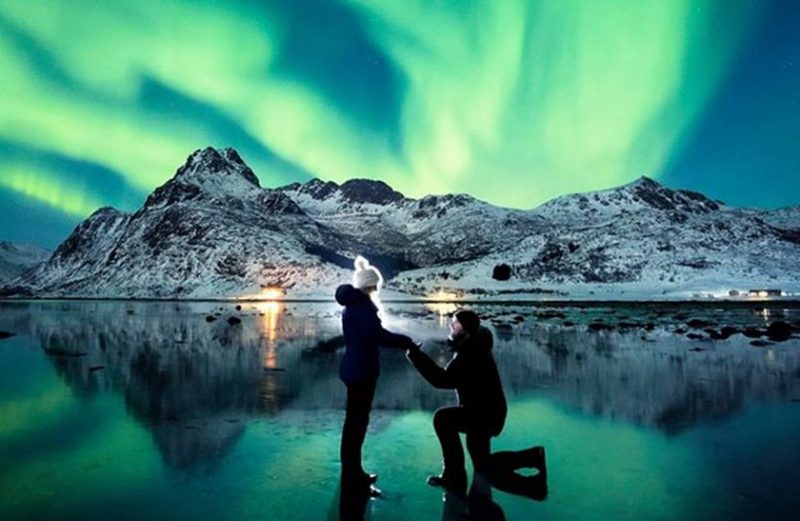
(441, 295)
(272, 293)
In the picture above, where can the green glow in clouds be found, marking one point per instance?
(513, 101)
(551, 97)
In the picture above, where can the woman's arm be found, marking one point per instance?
(385, 338)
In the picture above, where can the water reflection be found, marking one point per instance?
(195, 384)
(442, 310)
(505, 476)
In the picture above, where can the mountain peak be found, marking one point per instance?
(369, 191)
(212, 162)
(354, 190)
(645, 182)
(316, 188)
(206, 172)
(661, 197)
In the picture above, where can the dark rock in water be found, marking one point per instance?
(627, 325)
(696, 323)
(96, 368)
(779, 331)
(6, 334)
(519, 318)
(274, 369)
(599, 326)
(753, 332)
(650, 326)
(568, 323)
(681, 316)
(210, 318)
(238, 307)
(234, 320)
(728, 331)
(130, 312)
(696, 349)
(58, 351)
(760, 343)
(680, 331)
(695, 336)
(550, 314)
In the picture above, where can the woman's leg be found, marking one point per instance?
(356, 421)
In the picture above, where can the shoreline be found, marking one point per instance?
(725, 303)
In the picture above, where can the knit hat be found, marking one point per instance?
(365, 275)
(468, 319)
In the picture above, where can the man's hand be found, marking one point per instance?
(414, 346)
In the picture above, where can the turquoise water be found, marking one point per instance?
(148, 411)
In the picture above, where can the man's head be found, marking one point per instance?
(366, 278)
(465, 322)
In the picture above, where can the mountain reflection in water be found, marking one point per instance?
(195, 383)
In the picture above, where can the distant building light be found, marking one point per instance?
(764, 293)
(443, 296)
(272, 293)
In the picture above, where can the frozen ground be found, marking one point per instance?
(139, 410)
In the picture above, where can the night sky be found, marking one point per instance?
(512, 101)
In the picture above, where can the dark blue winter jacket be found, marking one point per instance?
(473, 374)
(363, 334)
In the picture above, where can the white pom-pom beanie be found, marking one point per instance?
(365, 275)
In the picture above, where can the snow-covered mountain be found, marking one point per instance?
(16, 258)
(645, 239)
(210, 231)
(213, 231)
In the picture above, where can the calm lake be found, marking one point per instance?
(137, 410)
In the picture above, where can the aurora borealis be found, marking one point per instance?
(513, 101)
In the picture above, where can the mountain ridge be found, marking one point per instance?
(213, 231)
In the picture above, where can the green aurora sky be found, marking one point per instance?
(512, 101)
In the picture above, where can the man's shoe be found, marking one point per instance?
(457, 486)
(534, 458)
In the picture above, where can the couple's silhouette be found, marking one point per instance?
(480, 412)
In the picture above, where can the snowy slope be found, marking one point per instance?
(15, 258)
(433, 230)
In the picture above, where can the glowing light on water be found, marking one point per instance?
(271, 312)
(443, 303)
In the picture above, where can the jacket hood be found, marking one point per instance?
(482, 341)
(347, 295)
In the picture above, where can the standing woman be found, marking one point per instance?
(359, 370)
